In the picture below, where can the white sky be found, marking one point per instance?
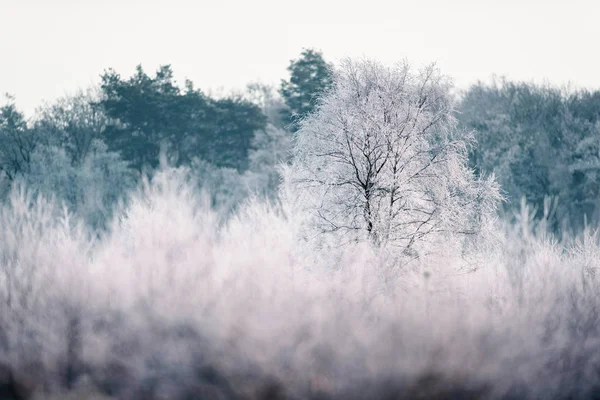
(52, 47)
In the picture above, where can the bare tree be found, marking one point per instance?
(17, 140)
(74, 122)
(381, 159)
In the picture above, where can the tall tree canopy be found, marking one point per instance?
(381, 159)
(73, 123)
(541, 142)
(310, 77)
(152, 113)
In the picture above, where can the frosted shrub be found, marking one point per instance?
(175, 301)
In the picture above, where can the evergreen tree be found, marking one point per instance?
(310, 77)
(150, 114)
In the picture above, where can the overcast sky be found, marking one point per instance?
(52, 47)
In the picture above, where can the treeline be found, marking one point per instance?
(543, 144)
(87, 149)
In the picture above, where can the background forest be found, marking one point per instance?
(89, 148)
(359, 231)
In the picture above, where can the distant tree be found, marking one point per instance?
(310, 77)
(269, 101)
(229, 139)
(272, 147)
(541, 142)
(152, 113)
(17, 140)
(74, 122)
(226, 187)
(517, 125)
(90, 188)
(381, 160)
(146, 113)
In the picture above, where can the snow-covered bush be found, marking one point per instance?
(174, 301)
(90, 189)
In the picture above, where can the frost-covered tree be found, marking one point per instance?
(381, 160)
(90, 189)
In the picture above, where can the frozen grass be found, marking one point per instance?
(175, 303)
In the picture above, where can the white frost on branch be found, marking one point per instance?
(382, 160)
